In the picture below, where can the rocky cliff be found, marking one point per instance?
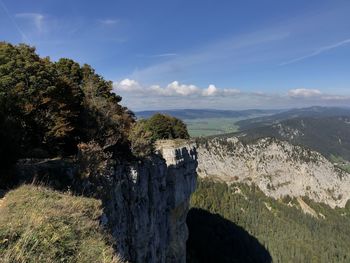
(276, 167)
(145, 203)
(148, 204)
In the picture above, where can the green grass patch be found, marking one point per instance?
(211, 126)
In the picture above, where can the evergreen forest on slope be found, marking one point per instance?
(238, 223)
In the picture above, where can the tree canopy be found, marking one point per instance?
(166, 127)
(160, 126)
(47, 108)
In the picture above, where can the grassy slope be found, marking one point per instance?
(42, 225)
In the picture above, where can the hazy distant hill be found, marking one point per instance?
(327, 135)
(207, 113)
(292, 114)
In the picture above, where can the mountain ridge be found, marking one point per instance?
(206, 113)
(278, 168)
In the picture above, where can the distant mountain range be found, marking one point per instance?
(266, 117)
(208, 113)
(316, 112)
(327, 135)
(322, 129)
(326, 130)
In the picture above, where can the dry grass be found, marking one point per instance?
(41, 225)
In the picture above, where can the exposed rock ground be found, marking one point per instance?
(276, 167)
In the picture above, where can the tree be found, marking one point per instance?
(58, 105)
(166, 127)
(35, 89)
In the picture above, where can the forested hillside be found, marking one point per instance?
(280, 226)
(314, 112)
(327, 135)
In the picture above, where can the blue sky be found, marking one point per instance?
(197, 53)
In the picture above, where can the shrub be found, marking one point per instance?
(95, 169)
(141, 142)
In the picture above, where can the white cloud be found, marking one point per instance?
(335, 98)
(35, 18)
(128, 85)
(173, 89)
(210, 91)
(178, 95)
(214, 91)
(304, 93)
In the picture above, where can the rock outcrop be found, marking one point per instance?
(147, 207)
(145, 203)
(276, 167)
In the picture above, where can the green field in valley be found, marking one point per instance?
(211, 126)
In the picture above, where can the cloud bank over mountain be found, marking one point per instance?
(180, 95)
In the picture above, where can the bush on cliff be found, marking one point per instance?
(141, 141)
(145, 132)
(166, 127)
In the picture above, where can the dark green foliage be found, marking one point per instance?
(47, 108)
(287, 233)
(10, 133)
(38, 96)
(141, 141)
(145, 132)
(166, 127)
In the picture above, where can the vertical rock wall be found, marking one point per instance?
(148, 204)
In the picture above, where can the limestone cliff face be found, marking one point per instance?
(276, 167)
(147, 207)
(145, 203)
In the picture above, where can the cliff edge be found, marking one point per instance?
(148, 204)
